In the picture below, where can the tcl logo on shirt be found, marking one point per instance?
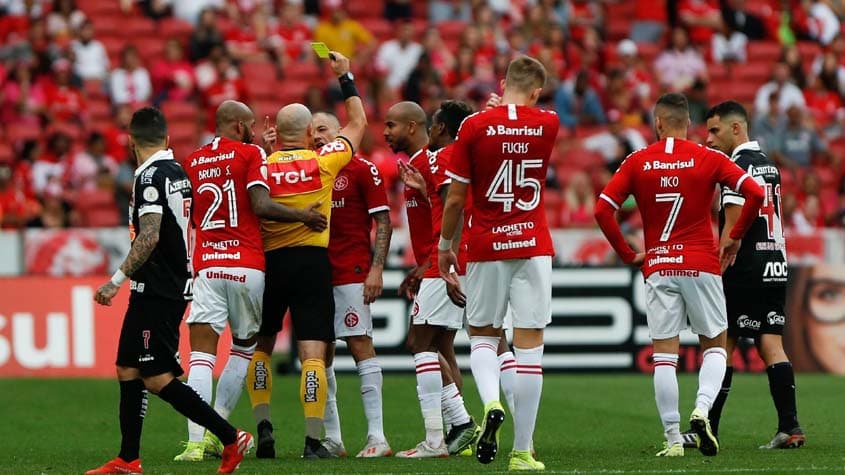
(294, 177)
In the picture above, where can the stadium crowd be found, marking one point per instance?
(72, 71)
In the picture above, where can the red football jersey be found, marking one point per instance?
(358, 193)
(435, 179)
(673, 182)
(228, 233)
(419, 216)
(503, 153)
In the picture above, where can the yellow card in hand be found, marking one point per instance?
(321, 49)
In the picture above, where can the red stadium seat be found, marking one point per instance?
(266, 88)
(150, 49)
(618, 28)
(180, 111)
(451, 29)
(99, 109)
(97, 208)
(756, 72)
(379, 27)
(183, 131)
(137, 27)
(303, 71)
(768, 51)
(360, 10)
(19, 132)
(175, 28)
(6, 152)
(94, 88)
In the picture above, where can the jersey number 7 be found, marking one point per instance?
(501, 190)
(677, 201)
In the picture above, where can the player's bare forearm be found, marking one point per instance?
(264, 207)
(357, 118)
(456, 240)
(144, 243)
(732, 213)
(453, 208)
(384, 231)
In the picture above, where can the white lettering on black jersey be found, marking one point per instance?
(161, 186)
(761, 260)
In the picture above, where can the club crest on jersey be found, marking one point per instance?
(150, 193)
(416, 310)
(341, 183)
(351, 319)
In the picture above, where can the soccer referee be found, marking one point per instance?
(298, 275)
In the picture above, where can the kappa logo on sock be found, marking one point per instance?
(260, 376)
(311, 386)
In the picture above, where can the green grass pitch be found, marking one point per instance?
(587, 424)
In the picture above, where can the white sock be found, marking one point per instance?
(200, 379)
(507, 377)
(231, 382)
(371, 381)
(429, 387)
(713, 365)
(529, 387)
(452, 403)
(666, 395)
(331, 420)
(485, 366)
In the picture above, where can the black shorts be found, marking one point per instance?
(299, 279)
(755, 310)
(149, 337)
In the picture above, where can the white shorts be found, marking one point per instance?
(233, 294)
(432, 306)
(525, 284)
(675, 303)
(351, 316)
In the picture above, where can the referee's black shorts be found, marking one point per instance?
(149, 337)
(753, 311)
(299, 279)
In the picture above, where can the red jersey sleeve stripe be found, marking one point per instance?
(257, 183)
(609, 200)
(378, 209)
(739, 182)
(458, 177)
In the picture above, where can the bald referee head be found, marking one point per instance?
(405, 127)
(235, 121)
(293, 124)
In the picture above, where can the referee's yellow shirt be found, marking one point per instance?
(298, 178)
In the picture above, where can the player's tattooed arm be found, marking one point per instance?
(142, 247)
(374, 284)
(143, 244)
(384, 231)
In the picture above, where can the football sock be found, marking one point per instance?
(259, 385)
(133, 408)
(312, 391)
(507, 377)
(529, 387)
(485, 366)
(452, 404)
(190, 404)
(666, 395)
(782, 387)
(429, 387)
(710, 377)
(371, 382)
(231, 382)
(199, 378)
(716, 411)
(331, 422)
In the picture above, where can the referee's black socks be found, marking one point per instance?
(716, 411)
(133, 407)
(782, 387)
(185, 400)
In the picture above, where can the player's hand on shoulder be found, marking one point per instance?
(373, 286)
(314, 219)
(106, 293)
(493, 101)
(727, 251)
(339, 63)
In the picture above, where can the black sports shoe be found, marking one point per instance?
(314, 449)
(792, 439)
(266, 444)
(708, 444)
(488, 442)
(461, 437)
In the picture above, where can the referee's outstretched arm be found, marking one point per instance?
(357, 125)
